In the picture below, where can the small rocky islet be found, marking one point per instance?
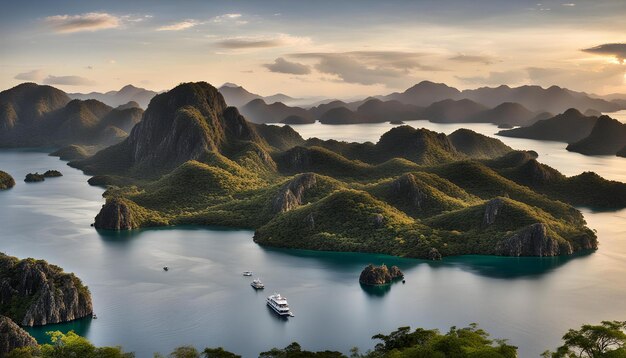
(6, 181)
(36, 177)
(380, 275)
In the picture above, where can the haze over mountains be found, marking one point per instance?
(437, 102)
(126, 94)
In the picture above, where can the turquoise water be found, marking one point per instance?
(204, 301)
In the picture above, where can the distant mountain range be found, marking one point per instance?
(34, 115)
(238, 96)
(505, 106)
(126, 94)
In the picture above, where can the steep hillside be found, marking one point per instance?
(608, 137)
(476, 145)
(33, 293)
(451, 111)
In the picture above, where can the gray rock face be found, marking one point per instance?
(532, 241)
(114, 215)
(406, 186)
(434, 254)
(491, 211)
(379, 275)
(36, 293)
(290, 195)
(12, 336)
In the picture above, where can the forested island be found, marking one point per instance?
(192, 160)
(6, 181)
(414, 193)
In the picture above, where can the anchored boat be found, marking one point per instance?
(257, 284)
(279, 304)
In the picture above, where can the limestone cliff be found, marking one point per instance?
(290, 195)
(12, 336)
(533, 240)
(34, 293)
(379, 275)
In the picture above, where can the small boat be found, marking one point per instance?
(165, 268)
(247, 273)
(257, 284)
(279, 304)
(94, 316)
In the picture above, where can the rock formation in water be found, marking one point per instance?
(6, 181)
(34, 178)
(52, 174)
(13, 336)
(379, 275)
(533, 241)
(115, 215)
(34, 293)
(296, 119)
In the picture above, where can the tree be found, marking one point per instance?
(593, 341)
(218, 353)
(185, 352)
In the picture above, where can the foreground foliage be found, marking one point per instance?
(591, 341)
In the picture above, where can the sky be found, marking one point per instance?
(339, 49)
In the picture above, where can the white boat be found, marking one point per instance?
(279, 304)
(257, 284)
(247, 273)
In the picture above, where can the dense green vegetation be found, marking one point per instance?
(606, 340)
(6, 181)
(414, 193)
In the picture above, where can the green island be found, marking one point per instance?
(6, 181)
(606, 339)
(192, 160)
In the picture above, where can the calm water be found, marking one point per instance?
(203, 300)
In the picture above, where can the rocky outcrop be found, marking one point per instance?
(12, 336)
(34, 293)
(6, 181)
(434, 254)
(52, 174)
(533, 240)
(622, 152)
(290, 194)
(34, 178)
(491, 211)
(379, 275)
(116, 214)
(407, 186)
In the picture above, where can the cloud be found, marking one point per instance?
(569, 4)
(472, 59)
(281, 40)
(579, 78)
(68, 81)
(496, 78)
(281, 65)
(226, 17)
(178, 26)
(618, 50)
(34, 75)
(390, 68)
(92, 21)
